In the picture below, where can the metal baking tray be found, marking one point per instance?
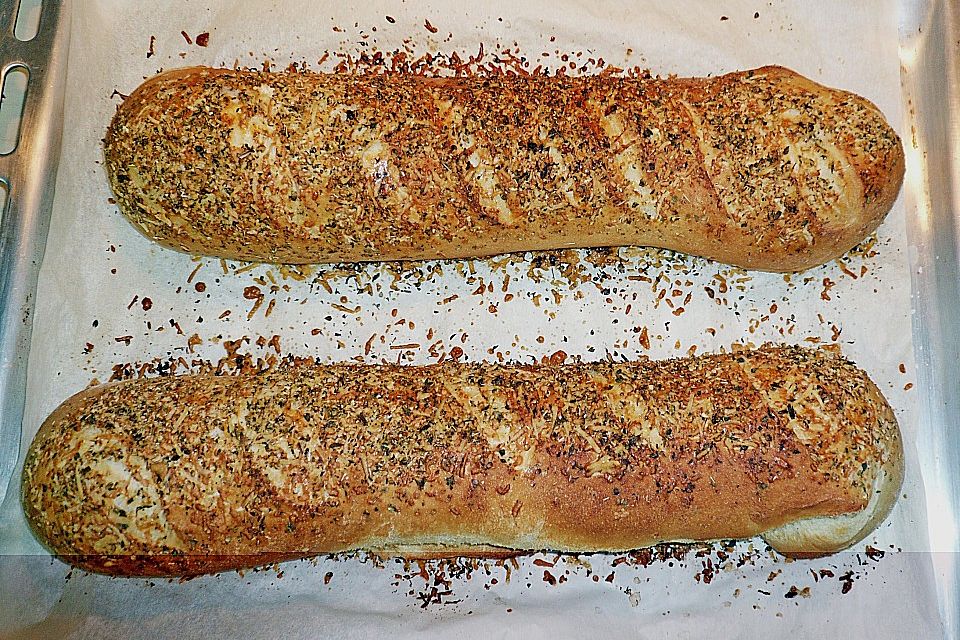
(29, 173)
(930, 76)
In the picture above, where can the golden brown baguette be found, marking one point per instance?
(764, 169)
(192, 474)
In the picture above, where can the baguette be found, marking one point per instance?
(193, 474)
(762, 169)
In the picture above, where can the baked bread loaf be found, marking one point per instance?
(192, 474)
(763, 169)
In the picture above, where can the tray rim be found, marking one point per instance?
(930, 78)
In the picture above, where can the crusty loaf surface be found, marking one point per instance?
(192, 474)
(764, 169)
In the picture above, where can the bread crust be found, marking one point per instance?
(763, 169)
(194, 474)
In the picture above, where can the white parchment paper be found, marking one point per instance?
(107, 296)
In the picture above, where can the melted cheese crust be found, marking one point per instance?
(763, 169)
(308, 459)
